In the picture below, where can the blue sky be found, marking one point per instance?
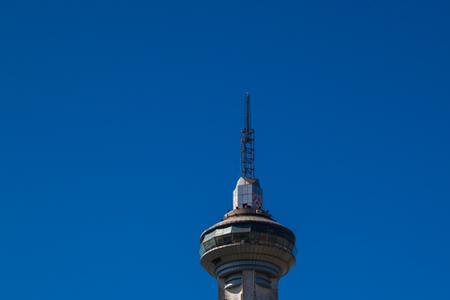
(119, 143)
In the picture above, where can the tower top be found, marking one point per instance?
(247, 252)
(247, 144)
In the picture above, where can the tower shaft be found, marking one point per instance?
(254, 286)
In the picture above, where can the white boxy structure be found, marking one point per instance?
(248, 193)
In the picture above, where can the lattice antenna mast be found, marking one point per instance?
(247, 144)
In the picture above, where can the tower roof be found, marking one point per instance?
(242, 216)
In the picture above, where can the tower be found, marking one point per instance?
(248, 251)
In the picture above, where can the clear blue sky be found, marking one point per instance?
(119, 143)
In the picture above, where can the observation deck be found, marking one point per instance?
(247, 237)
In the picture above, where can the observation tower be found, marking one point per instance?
(248, 251)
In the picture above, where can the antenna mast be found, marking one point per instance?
(247, 144)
